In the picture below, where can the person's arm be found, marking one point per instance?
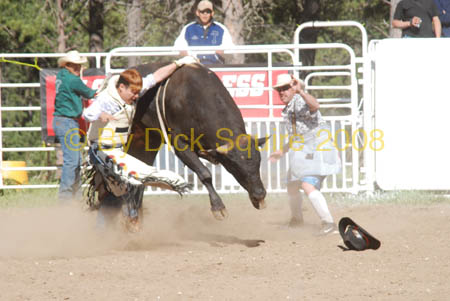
(92, 113)
(159, 75)
(401, 24)
(310, 100)
(415, 21)
(227, 40)
(181, 42)
(398, 18)
(164, 72)
(437, 26)
(96, 111)
(80, 88)
(276, 155)
(105, 117)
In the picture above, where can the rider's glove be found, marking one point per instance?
(185, 60)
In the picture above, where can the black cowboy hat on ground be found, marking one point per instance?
(355, 237)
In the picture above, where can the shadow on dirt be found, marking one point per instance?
(218, 240)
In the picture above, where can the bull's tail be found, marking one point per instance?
(170, 182)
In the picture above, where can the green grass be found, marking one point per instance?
(28, 197)
(48, 197)
(400, 197)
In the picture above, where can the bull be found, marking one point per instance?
(204, 122)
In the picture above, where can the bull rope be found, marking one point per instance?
(158, 112)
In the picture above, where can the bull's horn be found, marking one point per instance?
(263, 140)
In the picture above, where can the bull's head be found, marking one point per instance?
(242, 159)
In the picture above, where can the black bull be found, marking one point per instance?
(204, 121)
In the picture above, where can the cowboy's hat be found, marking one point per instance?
(72, 57)
(285, 79)
(355, 237)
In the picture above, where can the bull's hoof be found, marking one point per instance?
(132, 225)
(259, 204)
(220, 214)
(262, 204)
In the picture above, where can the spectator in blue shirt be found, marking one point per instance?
(443, 7)
(205, 32)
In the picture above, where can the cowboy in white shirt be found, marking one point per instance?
(124, 176)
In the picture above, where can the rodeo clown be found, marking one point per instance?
(312, 154)
(119, 178)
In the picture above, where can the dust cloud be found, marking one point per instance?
(70, 231)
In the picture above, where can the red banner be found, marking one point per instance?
(246, 88)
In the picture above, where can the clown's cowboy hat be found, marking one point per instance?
(355, 237)
(285, 79)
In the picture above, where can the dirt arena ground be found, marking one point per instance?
(53, 253)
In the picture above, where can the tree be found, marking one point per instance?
(60, 26)
(134, 28)
(311, 12)
(95, 28)
(393, 32)
(234, 20)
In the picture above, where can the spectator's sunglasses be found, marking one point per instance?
(205, 11)
(283, 88)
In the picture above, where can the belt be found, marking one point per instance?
(74, 118)
(108, 146)
(95, 145)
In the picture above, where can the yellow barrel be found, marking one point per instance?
(20, 176)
